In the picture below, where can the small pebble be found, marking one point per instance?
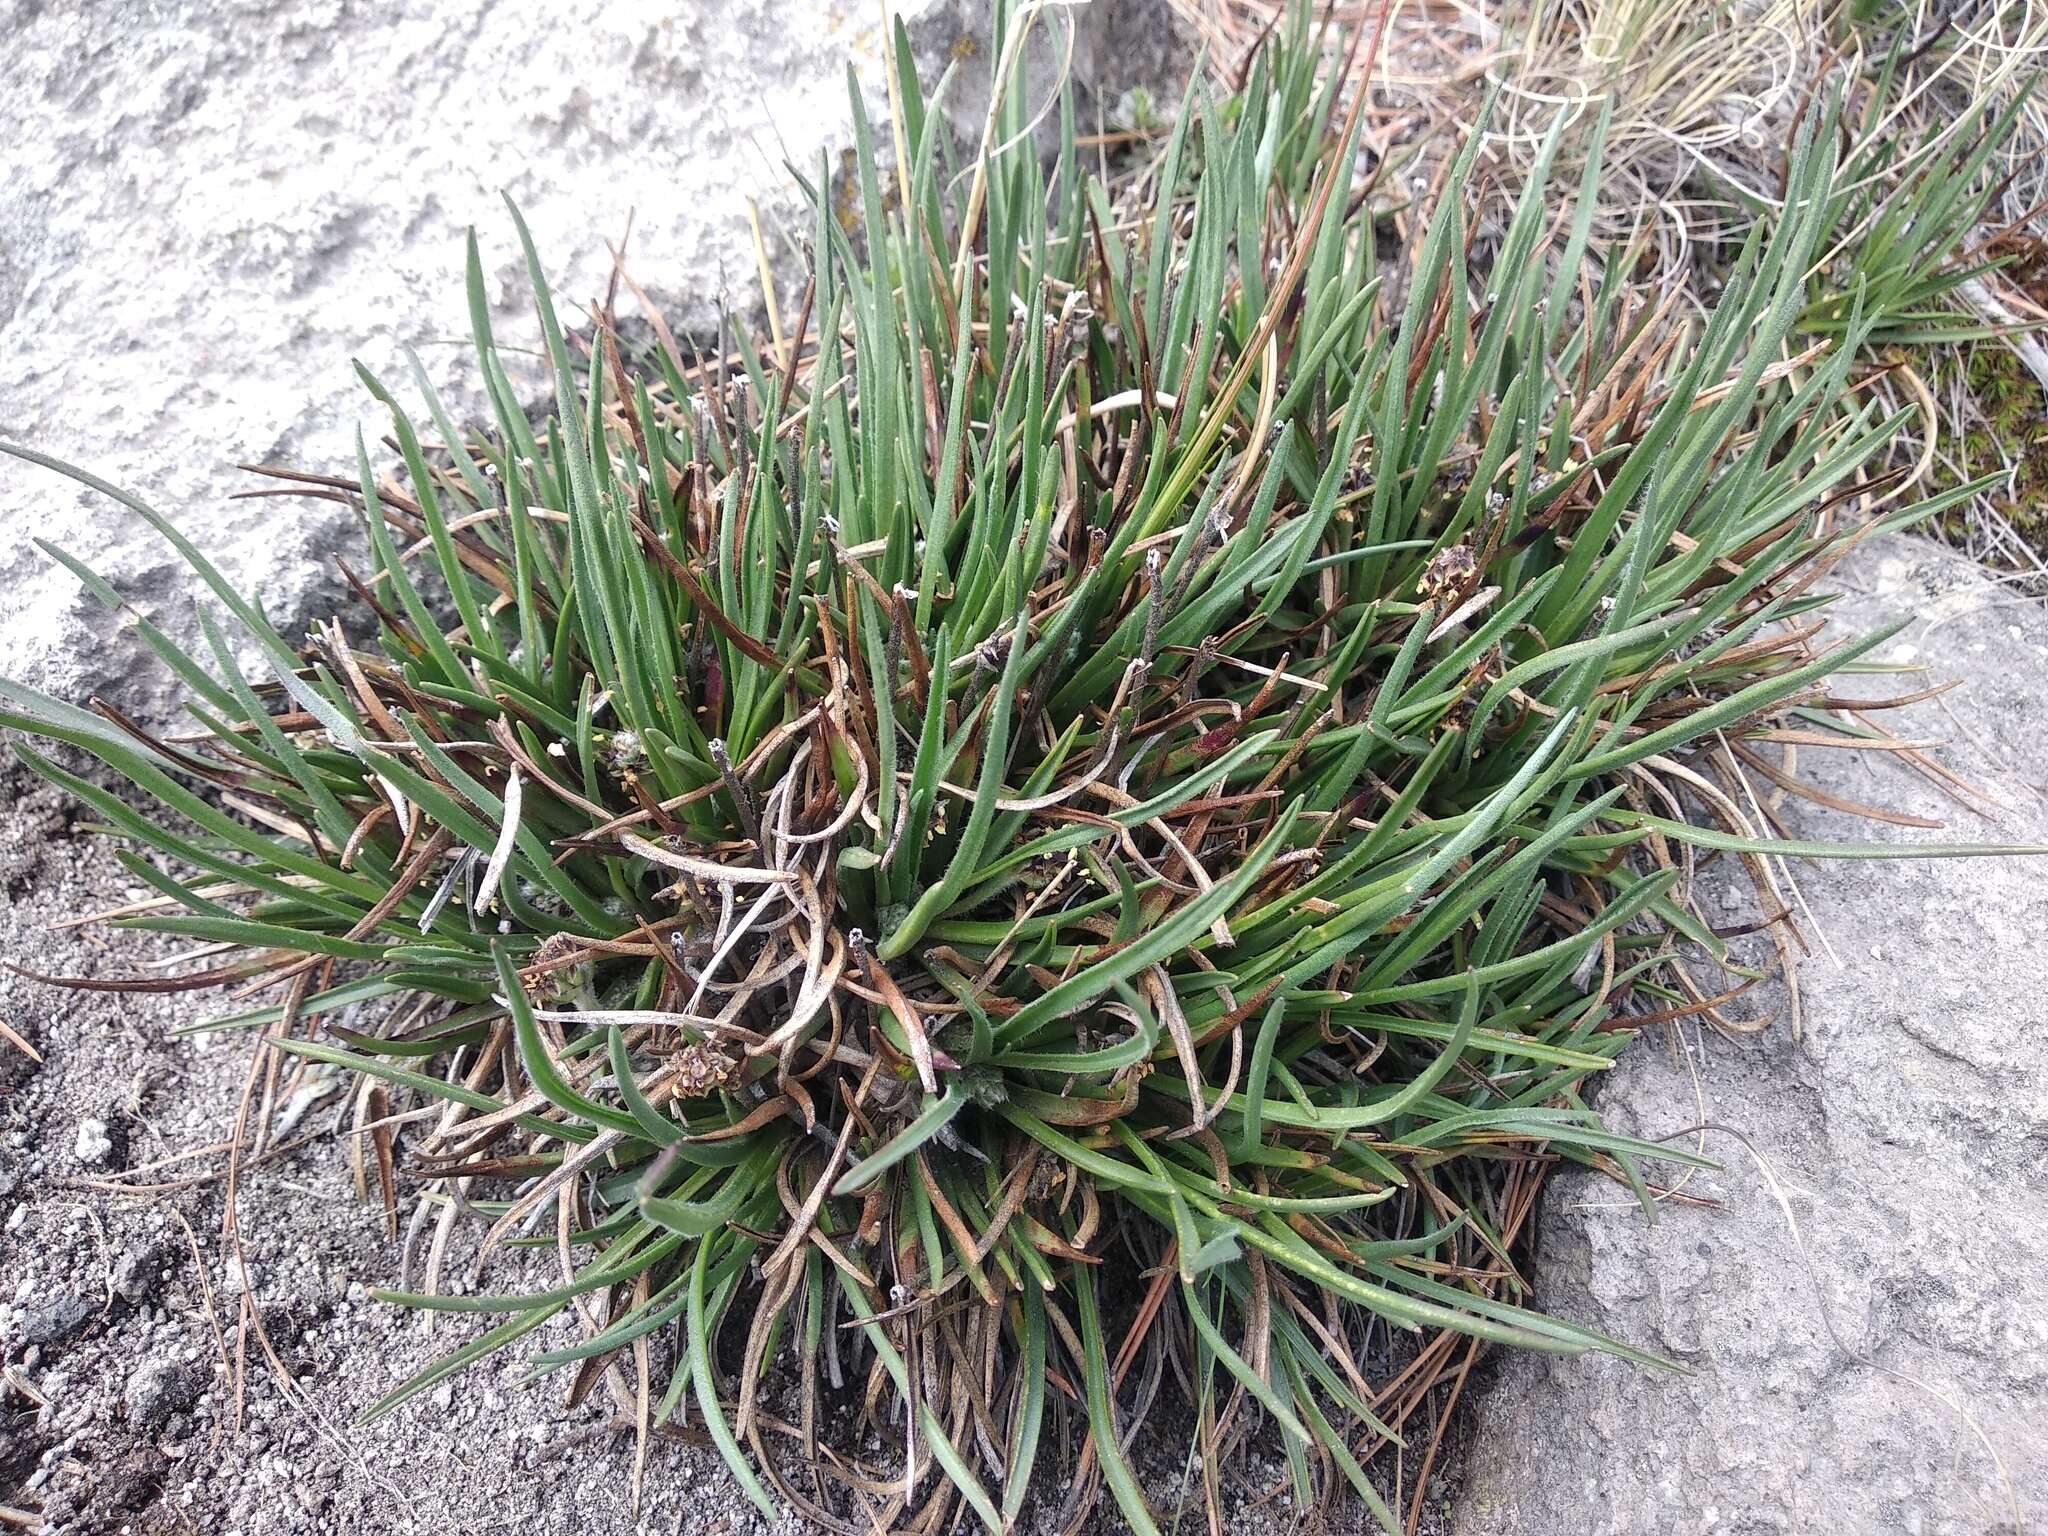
(58, 1321)
(158, 1390)
(93, 1142)
(135, 1275)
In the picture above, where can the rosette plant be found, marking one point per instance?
(1070, 835)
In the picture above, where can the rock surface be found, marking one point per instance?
(208, 209)
(1908, 1127)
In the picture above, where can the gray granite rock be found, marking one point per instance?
(208, 209)
(1908, 1126)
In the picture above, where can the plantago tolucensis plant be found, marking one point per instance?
(1070, 838)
